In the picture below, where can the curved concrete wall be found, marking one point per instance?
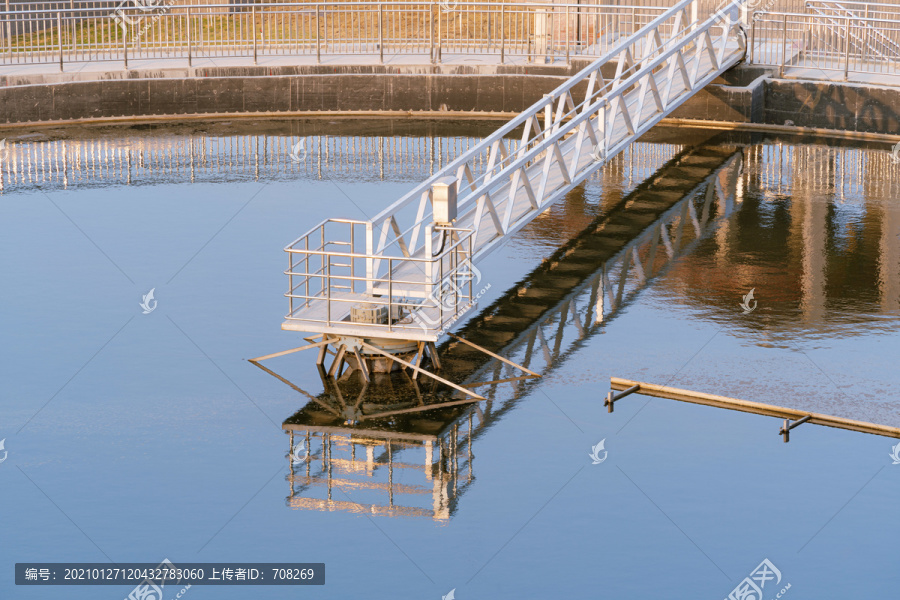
(744, 95)
(235, 90)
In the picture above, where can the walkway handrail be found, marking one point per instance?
(785, 39)
(95, 31)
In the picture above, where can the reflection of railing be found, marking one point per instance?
(832, 41)
(106, 31)
(591, 305)
(335, 469)
(138, 160)
(333, 282)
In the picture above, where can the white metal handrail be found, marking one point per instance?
(48, 33)
(823, 43)
(867, 38)
(327, 276)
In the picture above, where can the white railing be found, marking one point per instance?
(328, 279)
(826, 42)
(66, 32)
(869, 39)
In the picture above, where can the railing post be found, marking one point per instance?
(253, 26)
(567, 34)
(59, 39)
(381, 32)
(190, 57)
(783, 45)
(328, 289)
(431, 29)
(318, 46)
(439, 41)
(125, 46)
(847, 50)
(752, 42)
(8, 32)
(502, 32)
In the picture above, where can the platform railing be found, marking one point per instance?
(67, 32)
(329, 275)
(869, 38)
(827, 42)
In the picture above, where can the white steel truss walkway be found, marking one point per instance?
(411, 278)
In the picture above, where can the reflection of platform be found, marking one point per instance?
(354, 467)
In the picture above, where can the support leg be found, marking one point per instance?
(432, 353)
(338, 361)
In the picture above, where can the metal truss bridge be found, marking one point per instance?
(392, 286)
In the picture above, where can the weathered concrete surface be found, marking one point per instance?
(119, 93)
(144, 97)
(852, 107)
(722, 102)
(744, 94)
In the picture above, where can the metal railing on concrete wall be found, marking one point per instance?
(831, 39)
(103, 31)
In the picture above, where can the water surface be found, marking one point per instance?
(133, 437)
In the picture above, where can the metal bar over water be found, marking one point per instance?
(759, 408)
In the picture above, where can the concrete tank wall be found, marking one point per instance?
(744, 95)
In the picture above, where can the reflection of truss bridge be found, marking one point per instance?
(570, 296)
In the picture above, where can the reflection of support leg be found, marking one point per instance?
(540, 335)
(812, 304)
(623, 277)
(889, 259)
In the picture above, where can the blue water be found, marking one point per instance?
(133, 437)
